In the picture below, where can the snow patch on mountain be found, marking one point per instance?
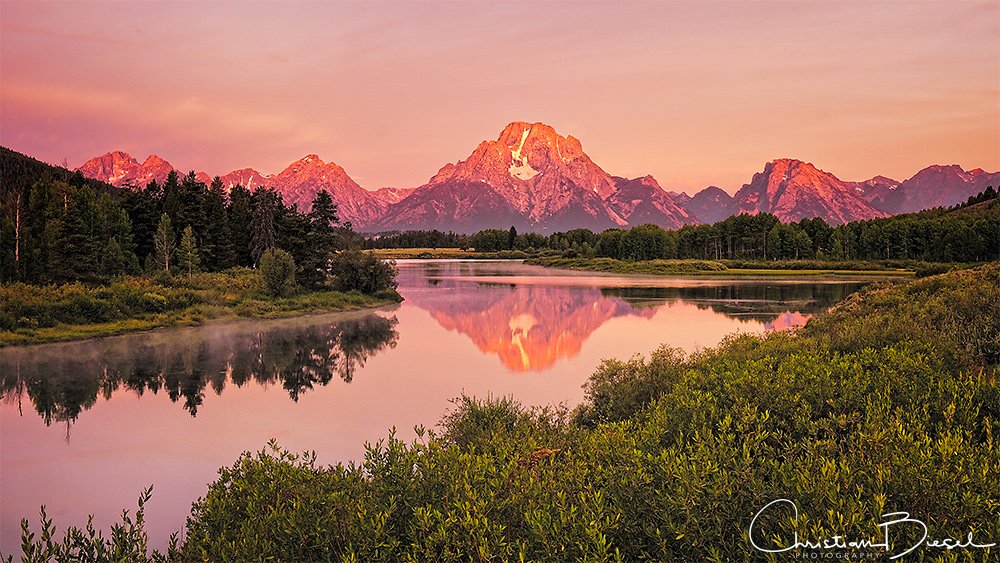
(520, 168)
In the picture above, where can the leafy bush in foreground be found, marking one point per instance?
(128, 541)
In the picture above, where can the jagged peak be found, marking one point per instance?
(154, 160)
(311, 158)
(647, 180)
(711, 190)
(790, 163)
(116, 155)
(515, 131)
(880, 180)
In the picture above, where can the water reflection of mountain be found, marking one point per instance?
(63, 380)
(530, 327)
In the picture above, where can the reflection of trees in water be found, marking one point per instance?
(64, 380)
(756, 301)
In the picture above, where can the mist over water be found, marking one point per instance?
(86, 425)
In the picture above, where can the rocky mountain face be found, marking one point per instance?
(880, 192)
(248, 178)
(119, 168)
(942, 186)
(642, 200)
(710, 205)
(793, 190)
(535, 179)
(546, 180)
(303, 179)
(392, 195)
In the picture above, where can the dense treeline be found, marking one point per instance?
(969, 232)
(61, 227)
(417, 239)
(885, 404)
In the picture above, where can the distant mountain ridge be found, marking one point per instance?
(535, 179)
(793, 190)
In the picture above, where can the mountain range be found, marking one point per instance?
(535, 179)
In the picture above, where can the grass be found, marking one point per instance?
(32, 314)
(446, 253)
(717, 268)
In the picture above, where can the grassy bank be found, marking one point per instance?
(887, 403)
(446, 253)
(738, 268)
(32, 314)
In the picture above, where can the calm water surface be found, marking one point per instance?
(84, 427)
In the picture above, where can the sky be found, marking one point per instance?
(695, 93)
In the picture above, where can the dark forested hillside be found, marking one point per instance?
(57, 226)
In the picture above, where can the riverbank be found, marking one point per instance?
(446, 254)
(31, 314)
(735, 268)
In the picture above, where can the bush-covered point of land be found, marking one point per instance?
(354, 270)
(38, 313)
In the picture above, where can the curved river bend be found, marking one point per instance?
(85, 426)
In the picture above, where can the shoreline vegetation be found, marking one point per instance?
(32, 314)
(661, 267)
(681, 267)
(885, 403)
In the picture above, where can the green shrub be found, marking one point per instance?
(278, 270)
(354, 270)
(619, 390)
(128, 541)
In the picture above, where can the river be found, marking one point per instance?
(85, 426)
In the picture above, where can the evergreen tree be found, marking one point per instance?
(164, 242)
(292, 232)
(217, 244)
(143, 209)
(114, 260)
(80, 234)
(8, 238)
(171, 194)
(511, 238)
(240, 217)
(321, 241)
(264, 208)
(187, 252)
